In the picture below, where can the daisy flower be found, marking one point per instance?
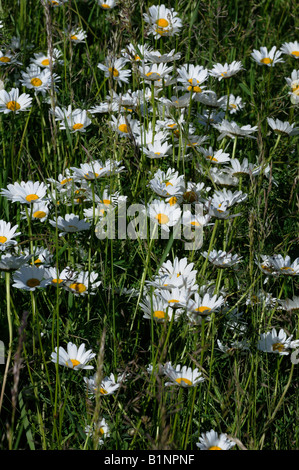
(162, 21)
(204, 305)
(38, 80)
(125, 126)
(60, 277)
(227, 70)
(290, 48)
(43, 60)
(276, 342)
(240, 169)
(114, 68)
(163, 214)
(195, 221)
(157, 309)
(94, 170)
(11, 262)
(232, 130)
(283, 127)
(158, 149)
(136, 53)
(73, 357)
(192, 76)
(234, 346)
(290, 305)
(84, 283)
(232, 103)
(215, 156)
(99, 430)
(8, 58)
(212, 441)
(293, 83)
(57, 3)
(77, 35)
(70, 224)
(39, 211)
(176, 297)
(154, 72)
(14, 102)
(182, 376)
(284, 265)
(7, 233)
(25, 192)
(107, 4)
(106, 387)
(155, 57)
(30, 278)
(265, 57)
(222, 259)
(76, 122)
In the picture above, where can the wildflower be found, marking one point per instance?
(204, 305)
(182, 376)
(222, 259)
(7, 233)
(212, 441)
(163, 214)
(76, 122)
(100, 429)
(154, 72)
(43, 60)
(265, 57)
(136, 53)
(215, 156)
(83, 283)
(106, 387)
(156, 308)
(77, 35)
(74, 357)
(293, 83)
(162, 21)
(11, 262)
(232, 103)
(290, 48)
(125, 126)
(38, 80)
(30, 278)
(155, 57)
(234, 346)
(8, 58)
(232, 129)
(283, 127)
(14, 102)
(107, 4)
(25, 192)
(192, 77)
(70, 224)
(227, 70)
(276, 342)
(240, 169)
(290, 305)
(114, 68)
(284, 265)
(158, 149)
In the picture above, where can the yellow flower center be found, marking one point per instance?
(233, 106)
(36, 81)
(160, 314)
(162, 23)
(123, 128)
(31, 197)
(172, 201)
(287, 268)
(45, 62)
(266, 60)
(213, 159)
(182, 379)
(74, 37)
(57, 281)
(37, 261)
(75, 362)
(295, 53)
(113, 71)
(278, 347)
(78, 126)
(78, 287)
(151, 73)
(5, 59)
(266, 268)
(87, 176)
(13, 105)
(195, 88)
(104, 5)
(202, 309)
(3, 239)
(137, 57)
(33, 282)
(103, 391)
(65, 180)
(223, 74)
(107, 202)
(215, 448)
(39, 214)
(195, 223)
(173, 301)
(162, 218)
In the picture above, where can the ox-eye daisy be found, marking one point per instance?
(107, 386)
(265, 57)
(157, 309)
(77, 35)
(7, 233)
(76, 122)
(291, 48)
(212, 441)
(227, 70)
(283, 127)
(30, 278)
(276, 342)
(25, 192)
(162, 21)
(163, 214)
(70, 224)
(84, 283)
(114, 68)
(74, 357)
(38, 80)
(182, 376)
(107, 4)
(12, 101)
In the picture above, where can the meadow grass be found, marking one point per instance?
(249, 394)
